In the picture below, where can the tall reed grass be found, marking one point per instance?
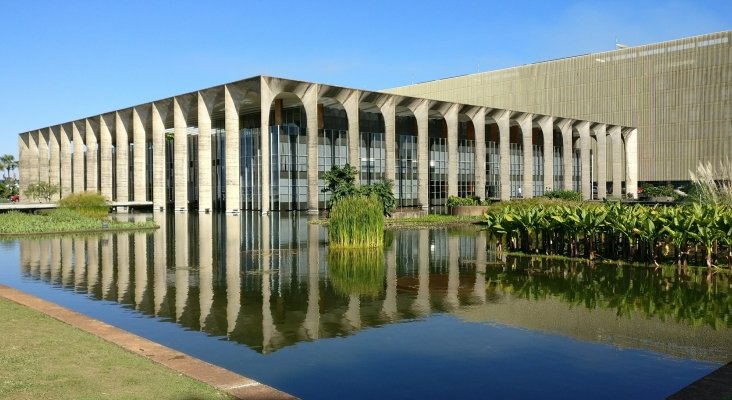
(356, 222)
(713, 184)
(356, 271)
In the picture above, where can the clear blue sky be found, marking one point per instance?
(65, 60)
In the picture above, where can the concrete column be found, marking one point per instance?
(617, 151)
(451, 119)
(139, 157)
(180, 146)
(421, 304)
(105, 157)
(67, 261)
(160, 263)
(182, 264)
(158, 114)
(586, 180)
(205, 265)
(266, 98)
(33, 157)
(566, 127)
(55, 259)
(122, 147)
(600, 132)
(92, 261)
(205, 194)
(45, 265)
(231, 124)
(421, 114)
(389, 307)
(140, 249)
(123, 266)
(631, 162)
(388, 110)
(453, 275)
(43, 155)
(54, 170)
(92, 183)
(65, 159)
(310, 104)
(269, 330)
(107, 268)
(526, 123)
(79, 262)
(77, 167)
(23, 163)
(233, 274)
(547, 130)
(479, 127)
(351, 105)
(480, 266)
(311, 324)
(504, 153)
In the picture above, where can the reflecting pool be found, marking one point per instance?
(435, 314)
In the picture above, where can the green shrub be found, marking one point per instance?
(384, 191)
(356, 221)
(570, 195)
(454, 201)
(90, 204)
(41, 191)
(659, 191)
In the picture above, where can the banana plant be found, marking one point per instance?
(704, 229)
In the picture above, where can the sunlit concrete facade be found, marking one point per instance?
(205, 150)
(677, 94)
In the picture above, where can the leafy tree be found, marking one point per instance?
(41, 191)
(384, 191)
(340, 182)
(8, 163)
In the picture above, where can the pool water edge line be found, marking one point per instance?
(236, 385)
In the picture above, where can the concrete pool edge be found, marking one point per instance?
(232, 383)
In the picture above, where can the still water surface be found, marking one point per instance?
(433, 315)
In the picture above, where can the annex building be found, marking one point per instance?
(678, 94)
(264, 143)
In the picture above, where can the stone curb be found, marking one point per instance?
(234, 384)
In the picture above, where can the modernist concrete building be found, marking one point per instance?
(206, 150)
(677, 94)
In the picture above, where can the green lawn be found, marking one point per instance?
(42, 358)
(61, 220)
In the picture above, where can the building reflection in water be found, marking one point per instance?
(264, 281)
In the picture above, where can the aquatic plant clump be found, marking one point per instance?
(356, 221)
(60, 220)
(359, 272)
(90, 204)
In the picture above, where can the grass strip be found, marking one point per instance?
(45, 358)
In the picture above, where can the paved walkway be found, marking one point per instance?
(237, 385)
(716, 385)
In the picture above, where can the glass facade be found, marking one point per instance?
(405, 186)
(372, 151)
(492, 171)
(288, 168)
(332, 151)
(250, 161)
(538, 170)
(438, 171)
(558, 180)
(516, 168)
(466, 168)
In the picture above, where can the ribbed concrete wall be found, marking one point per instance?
(676, 93)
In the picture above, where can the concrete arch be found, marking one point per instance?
(407, 181)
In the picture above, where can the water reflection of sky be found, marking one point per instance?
(435, 328)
